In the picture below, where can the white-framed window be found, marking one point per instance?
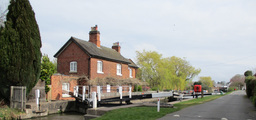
(119, 69)
(65, 90)
(73, 66)
(130, 72)
(99, 67)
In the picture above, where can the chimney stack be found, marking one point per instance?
(94, 36)
(116, 47)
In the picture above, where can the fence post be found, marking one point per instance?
(121, 92)
(77, 92)
(98, 91)
(94, 100)
(84, 89)
(11, 97)
(130, 91)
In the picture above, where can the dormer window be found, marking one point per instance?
(99, 67)
(119, 69)
(73, 66)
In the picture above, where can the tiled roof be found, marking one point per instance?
(97, 52)
(132, 64)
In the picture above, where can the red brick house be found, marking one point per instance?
(89, 58)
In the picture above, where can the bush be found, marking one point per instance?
(230, 89)
(154, 88)
(137, 88)
(250, 84)
(251, 88)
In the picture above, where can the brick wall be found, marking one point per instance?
(73, 53)
(56, 84)
(109, 69)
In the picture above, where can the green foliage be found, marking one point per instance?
(250, 86)
(137, 88)
(207, 83)
(238, 85)
(230, 89)
(198, 83)
(248, 73)
(154, 89)
(249, 80)
(20, 44)
(48, 68)
(165, 73)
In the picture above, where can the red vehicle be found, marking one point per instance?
(197, 88)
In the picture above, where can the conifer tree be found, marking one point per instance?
(20, 43)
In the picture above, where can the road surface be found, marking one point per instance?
(235, 106)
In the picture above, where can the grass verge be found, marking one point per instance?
(7, 113)
(150, 113)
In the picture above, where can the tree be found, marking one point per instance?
(149, 66)
(207, 83)
(48, 68)
(248, 73)
(165, 73)
(237, 81)
(20, 45)
(179, 73)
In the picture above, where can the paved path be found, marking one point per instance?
(234, 106)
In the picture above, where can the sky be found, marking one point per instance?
(217, 36)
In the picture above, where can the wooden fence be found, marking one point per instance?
(18, 97)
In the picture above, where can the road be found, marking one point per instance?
(235, 106)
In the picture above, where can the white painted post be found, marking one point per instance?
(130, 91)
(120, 92)
(37, 92)
(94, 100)
(84, 88)
(77, 91)
(158, 105)
(74, 93)
(98, 92)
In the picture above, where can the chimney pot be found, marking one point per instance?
(116, 47)
(94, 36)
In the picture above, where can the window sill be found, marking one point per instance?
(72, 71)
(65, 95)
(100, 72)
(119, 74)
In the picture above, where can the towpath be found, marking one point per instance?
(235, 106)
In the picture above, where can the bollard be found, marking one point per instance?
(94, 100)
(158, 105)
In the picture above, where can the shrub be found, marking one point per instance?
(230, 89)
(249, 80)
(154, 88)
(137, 88)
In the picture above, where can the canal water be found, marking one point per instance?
(62, 116)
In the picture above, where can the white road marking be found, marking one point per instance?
(224, 119)
(176, 115)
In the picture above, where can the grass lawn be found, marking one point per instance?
(150, 113)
